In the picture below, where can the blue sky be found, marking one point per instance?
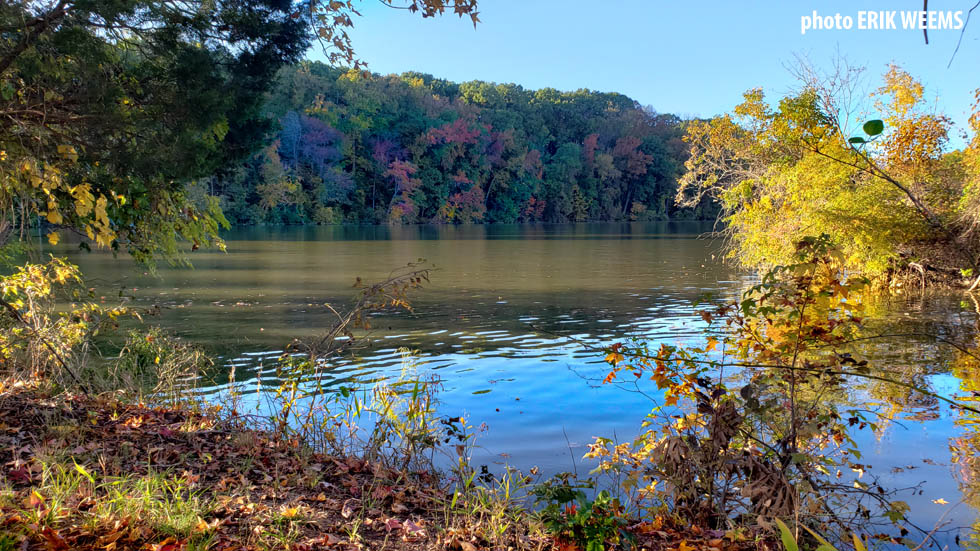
(689, 58)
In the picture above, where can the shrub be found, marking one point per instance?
(37, 338)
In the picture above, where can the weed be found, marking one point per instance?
(571, 517)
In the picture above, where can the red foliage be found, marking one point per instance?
(460, 179)
(402, 206)
(533, 164)
(463, 207)
(384, 151)
(499, 142)
(589, 146)
(459, 131)
(636, 161)
(533, 210)
(467, 207)
(401, 172)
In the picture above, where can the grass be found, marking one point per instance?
(100, 474)
(111, 475)
(65, 496)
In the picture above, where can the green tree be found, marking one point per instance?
(109, 107)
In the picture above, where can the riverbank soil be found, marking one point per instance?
(96, 473)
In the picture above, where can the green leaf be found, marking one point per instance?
(874, 127)
(896, 511)
(7, 91)
(857, 140)
(800, 458)
(789, 542)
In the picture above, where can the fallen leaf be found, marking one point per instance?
(54, 540)
(415, 530)
(398, 507)
(348, 509)
(22, 475)
(169, 544)
(35, 500)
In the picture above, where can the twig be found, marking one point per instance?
(974, 286)
(570, 452)
(823, 370)
(925, 30)
(16, 314)
(962, 32)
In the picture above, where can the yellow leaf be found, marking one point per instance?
(54, 238)
(100, 212)
(68, 152)
(201, 526)
(54, 217)
(614, 358)
(711, 344)
(940, 501)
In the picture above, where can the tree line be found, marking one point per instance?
(358, 147)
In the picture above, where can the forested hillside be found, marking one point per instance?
(354, 147)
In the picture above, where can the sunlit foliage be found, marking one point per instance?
(754, 423)
(37, 338)
(890, 194)
(411, 148)
(108, 108)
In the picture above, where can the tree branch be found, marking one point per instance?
(38, 27)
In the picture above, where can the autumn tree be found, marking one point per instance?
(887, 190)
(482, 152)
(108, 109)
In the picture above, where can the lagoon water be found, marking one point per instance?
(503, 323)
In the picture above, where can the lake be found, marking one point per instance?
(502, 322)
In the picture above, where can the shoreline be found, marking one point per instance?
(99, 473)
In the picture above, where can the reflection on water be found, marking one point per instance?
(502, 320)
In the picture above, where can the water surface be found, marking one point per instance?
(501, 324)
